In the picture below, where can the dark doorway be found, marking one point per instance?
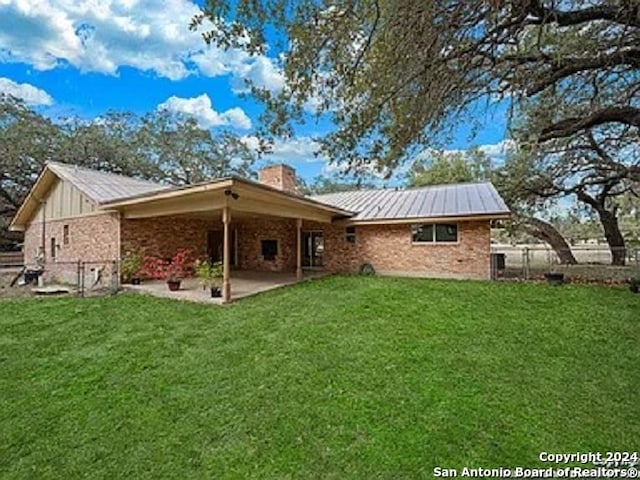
(215, 246)
(312, 249)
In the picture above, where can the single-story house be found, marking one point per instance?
(76, 214)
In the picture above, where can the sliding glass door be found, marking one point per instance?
(312, 249)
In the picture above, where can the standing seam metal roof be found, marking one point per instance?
(102, 186)
(464, 199)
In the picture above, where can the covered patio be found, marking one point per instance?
(245, 284)
(254, 230)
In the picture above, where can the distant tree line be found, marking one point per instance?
(159, 146)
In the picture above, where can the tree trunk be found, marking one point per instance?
(614, 237)
(609, 221)
(549, 234)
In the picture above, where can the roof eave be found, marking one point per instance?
(451, 218)
(18, 223)
(168, 193)
(217, 184)
(295, 197)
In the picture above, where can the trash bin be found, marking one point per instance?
(31, 276)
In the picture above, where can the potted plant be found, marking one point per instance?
(130, 267)
(172, 270)
(634, 284)
(210, 276)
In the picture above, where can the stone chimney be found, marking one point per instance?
(280, 176)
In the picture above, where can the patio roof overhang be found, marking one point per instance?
(237, 194)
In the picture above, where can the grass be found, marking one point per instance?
(337, 378)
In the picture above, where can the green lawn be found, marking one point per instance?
(344, 377)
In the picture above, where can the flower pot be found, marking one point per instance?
(554, 278)
(174, 285)
(135, 281)
(216, 292)
(634, 288)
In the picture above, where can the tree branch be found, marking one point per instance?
(628, 13)
(566, 67)
(571, 126)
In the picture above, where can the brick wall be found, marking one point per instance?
(390, 250)
(92, 238)
(387, 247)
(165, 236)
(251, 232)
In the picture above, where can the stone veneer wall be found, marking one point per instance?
(92, 238)
(390, 250)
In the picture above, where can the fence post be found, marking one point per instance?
(83, 269)
(115, 277)
(526, 263)
(492, 265)
(78, 273)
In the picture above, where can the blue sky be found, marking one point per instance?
(87, 57)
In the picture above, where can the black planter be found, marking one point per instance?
(554, 278)
(634, 287)
(135, 281)
(216, 292)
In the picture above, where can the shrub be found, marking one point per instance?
(172, 270)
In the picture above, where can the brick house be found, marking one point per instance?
(75, 214)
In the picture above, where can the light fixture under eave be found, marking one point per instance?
(231, 194)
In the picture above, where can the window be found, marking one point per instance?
(269, 249)
(446, 232)
(422, 233)
(65, 235)
(434, 232)
(53, 247)
(350, 234)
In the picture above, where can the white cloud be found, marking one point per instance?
(102, 36)
(498, 150)
(292, 150)
(369, 170)
(25, 91)
(202, 110)
(262, 72)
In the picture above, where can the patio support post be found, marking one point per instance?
(226, 254)
(299, 249)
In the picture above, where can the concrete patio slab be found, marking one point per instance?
(243, 284)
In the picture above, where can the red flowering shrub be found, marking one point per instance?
(172, 270)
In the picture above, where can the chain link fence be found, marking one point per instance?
(584, 263)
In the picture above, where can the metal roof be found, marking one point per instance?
(102, 186)
(455, 200)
